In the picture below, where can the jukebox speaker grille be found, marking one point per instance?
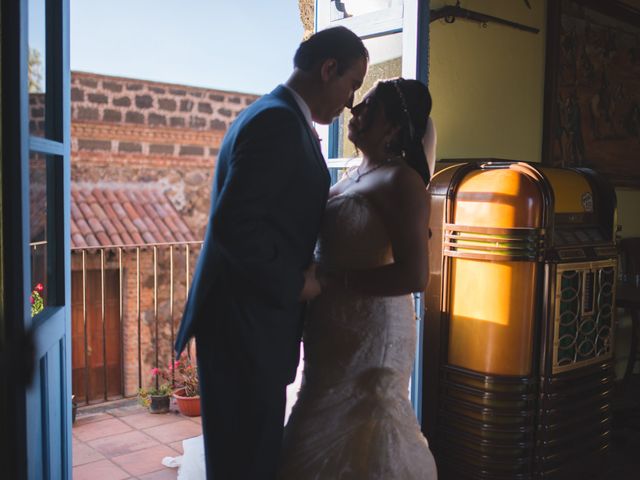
(583, 320)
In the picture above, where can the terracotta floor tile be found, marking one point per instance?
(177, 446)
(145, 461)
(172, 432)
(101, 470)
(198, 420)
(90, 417)
(164, 474)
(122, 443)
(127, 410)
(145, 419)
(104, 428)
(83, 453)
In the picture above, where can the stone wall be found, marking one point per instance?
(129, 130)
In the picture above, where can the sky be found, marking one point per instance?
(237, 45)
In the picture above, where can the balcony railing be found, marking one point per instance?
(126, 304)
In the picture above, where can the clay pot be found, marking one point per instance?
(189, 406)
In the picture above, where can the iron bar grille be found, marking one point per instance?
(583, 314)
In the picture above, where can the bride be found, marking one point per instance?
(353, 418)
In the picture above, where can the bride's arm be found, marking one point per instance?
(404, 209)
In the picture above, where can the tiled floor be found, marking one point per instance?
(124, 441)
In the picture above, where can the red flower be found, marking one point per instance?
(39, 287)
(154, 371)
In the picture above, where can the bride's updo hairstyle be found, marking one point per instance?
(407, 103)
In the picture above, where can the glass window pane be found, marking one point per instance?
(352, 8)
(38, 231)
(37, 67)
(385, 62)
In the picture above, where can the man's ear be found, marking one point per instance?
(328, 69)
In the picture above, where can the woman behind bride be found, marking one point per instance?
(353, 418)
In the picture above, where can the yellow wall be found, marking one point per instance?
(488, 89)
(488, 83)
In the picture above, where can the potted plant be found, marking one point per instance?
(187, 393)
(37, 302)
(157, 397)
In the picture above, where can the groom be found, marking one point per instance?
(255, 270)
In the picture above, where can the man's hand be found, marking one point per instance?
(311, 287)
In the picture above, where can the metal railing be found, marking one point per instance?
(140, 276)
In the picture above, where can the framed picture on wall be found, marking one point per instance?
(592, 88)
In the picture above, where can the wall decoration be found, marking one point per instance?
(592, 89)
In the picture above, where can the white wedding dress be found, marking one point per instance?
(353, 419)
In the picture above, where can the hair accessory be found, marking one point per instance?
(403, 104)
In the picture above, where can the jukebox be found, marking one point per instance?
(519, 321)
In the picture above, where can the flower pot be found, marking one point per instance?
(159, 403)
(189, 406)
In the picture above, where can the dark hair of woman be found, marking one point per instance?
(407, 103)
(338, 43)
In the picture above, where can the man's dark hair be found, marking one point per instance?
(338, 43)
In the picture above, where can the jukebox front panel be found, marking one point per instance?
(583, 314)
(486, 333)
(522, 323)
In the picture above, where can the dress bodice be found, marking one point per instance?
(353, 235)
(348, 334)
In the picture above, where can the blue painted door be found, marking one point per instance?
(36, 182)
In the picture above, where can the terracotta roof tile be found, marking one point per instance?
(123, 214)
(126, 238)
(86, 210)
(103, 238)
(78, 240)
(117, 239)
(84, 227)
(95, 225)
(110, 197)
(91, 240)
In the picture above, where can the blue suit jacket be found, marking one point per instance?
(269, 193)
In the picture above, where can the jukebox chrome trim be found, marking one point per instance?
(486, 243)
(583, 314)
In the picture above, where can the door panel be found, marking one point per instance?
(35, 184)
(89, 383)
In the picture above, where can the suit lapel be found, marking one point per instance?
(283, 94)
